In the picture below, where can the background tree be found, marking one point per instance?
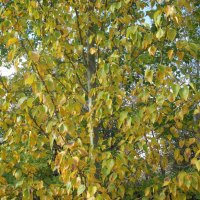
(103, 106)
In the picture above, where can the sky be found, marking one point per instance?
(6, 72)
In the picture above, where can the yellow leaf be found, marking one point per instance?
(191, 141)
(11, 41)
(197, 163)
(149, 75)
(33, 4)
(147, 191)
(166, 181)
(81, 189)
(160, 33)
(2, 181)
(17, 174)
(11, 55)
(157, 17)
(152, 50)
(171, 34)
(93, 50)
(176, 154)
(170, 54)
(34, 56)
(181, 143)
(184, 92)
(91, 191)
(29, 79)
(181, 177)
(170, 10)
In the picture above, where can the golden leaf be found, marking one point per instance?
(152, 50)
(93, 50)
(11, 41)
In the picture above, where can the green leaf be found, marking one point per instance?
(21, 101)
(175, 88)
(171, 34)
(92, 190)
(157, 17)
(81, 189)
(51, 140)
(181, 177)
(160, 99)
(147, 191)
(131, 31)
(184, 92)
(110, 163)
(160, 33)
(149, 75)
(29, 79)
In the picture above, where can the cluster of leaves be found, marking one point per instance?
(103, 105)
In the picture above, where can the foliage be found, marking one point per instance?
(103, 104)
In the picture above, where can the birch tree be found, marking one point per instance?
(105, 100)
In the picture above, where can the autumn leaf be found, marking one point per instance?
(152, 50)
(160, 33)
(171, 34)
(149, 75)
(104, 101)
(184, 92)
(34, 56)
(11, 41)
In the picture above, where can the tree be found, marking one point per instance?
(103, 106)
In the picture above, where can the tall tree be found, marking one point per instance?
(104, 105)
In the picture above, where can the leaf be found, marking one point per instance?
(191, 141)
(147, 191)
(11, 41)
(171, 34)
(123, 115)
(160, 33)
(11, 55)
(166, 181)
(34, 56)
(26, 194)
(157, 18)
(21, 101)
(160, 99)
(18, 174)
(170, 10)
(181, 196)
(92, 190)
(176, 154)
(131, 31)
(149, 75)
(180, 55)
(196, 162)
(107, 166)
(184, 92)
(81, 189)
(175, 89)
(181, 177)
(29, 79)
(93, 50)
(110, 163)
(121, 191)
(152, 50)
(52, 137)
(19, 183)
(170, 54)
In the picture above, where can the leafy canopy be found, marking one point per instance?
(105, 100)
